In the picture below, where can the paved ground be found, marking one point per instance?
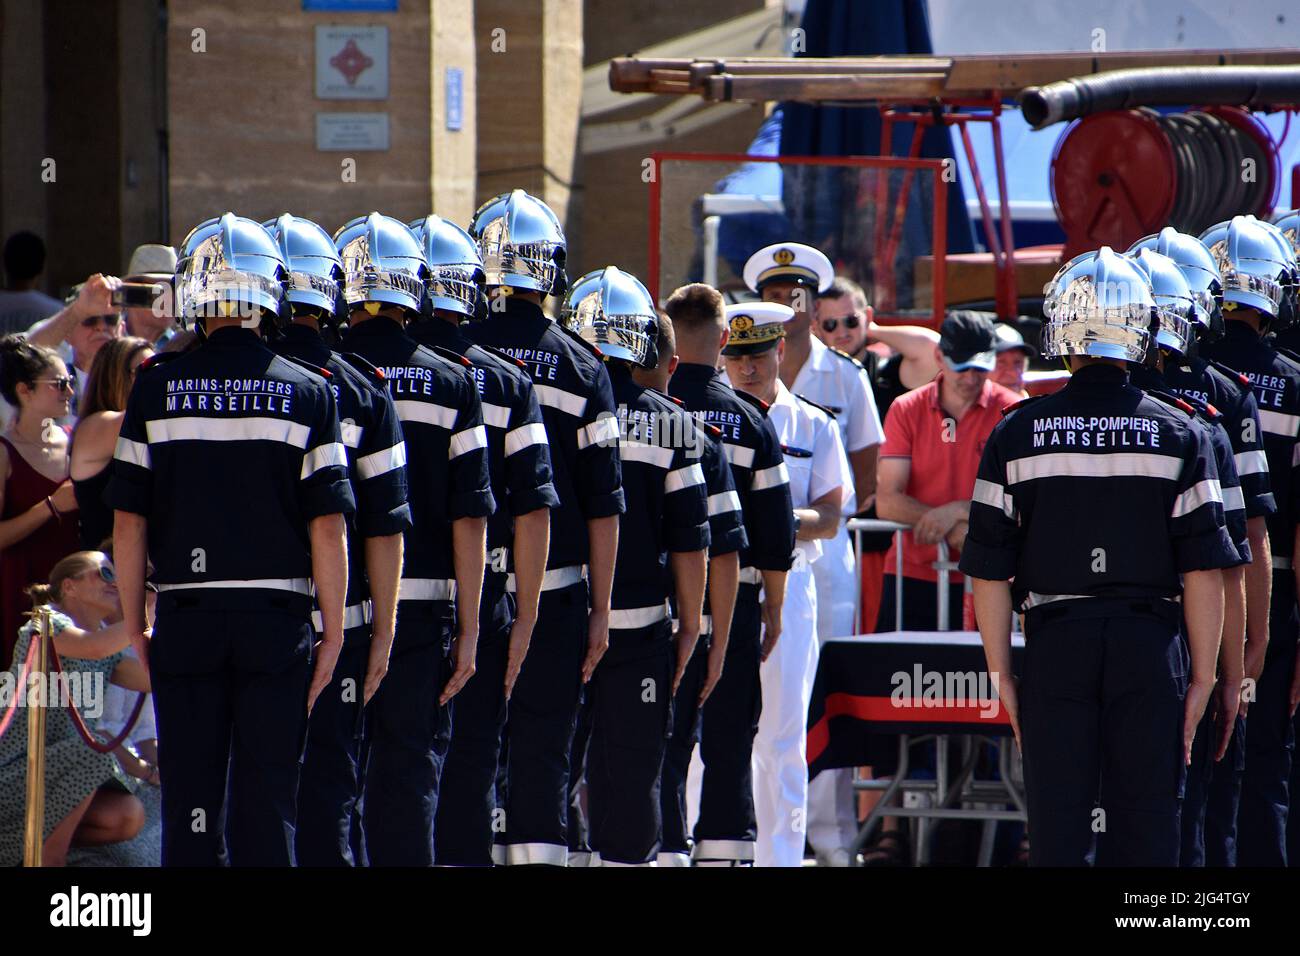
(144, 850)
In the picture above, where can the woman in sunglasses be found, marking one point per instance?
(88, 802)
(38, 524)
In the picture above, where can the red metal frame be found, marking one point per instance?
(911, 165)
(1001, 246)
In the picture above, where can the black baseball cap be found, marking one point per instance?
(967, 341)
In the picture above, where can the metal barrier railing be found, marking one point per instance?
(943, 566)
(37, 701)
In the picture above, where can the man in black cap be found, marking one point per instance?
(934, 436)
(1013, 357)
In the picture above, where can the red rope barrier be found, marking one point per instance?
(20, 689)
(77, 721)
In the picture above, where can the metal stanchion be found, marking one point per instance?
(37, 701)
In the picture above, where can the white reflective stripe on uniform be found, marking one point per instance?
(522, 854)
(351, 434)
(706, 624)
(1069, 464)
(498, 416)
(382, 462)
(1295, 455)
(673, 859)
(498, 854)
(133, 453)
(558, 398)
(723, 502)
(602, 431)
(750, 576)
(1252, 462)
(687, 477)
(1034, 599)
(471, 439)
(645, 452)
(739, 455)
(323, 456)
(354, 615)
(297, 585)
(1279, 423)
(1201, 493)
(1233, 499)
(409, 410)
(772, 477)
(723, 850)
(629, 618)
(598, 860)
(427, 589)
(1281, 563)
(228, 429)
(555, 579)
(525, 436)
(994, 495)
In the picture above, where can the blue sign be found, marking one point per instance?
(362, 6)
(455, 83)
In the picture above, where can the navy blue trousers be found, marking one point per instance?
(230, 696)
(1101, 714)
(1270, 739)
(467, 798)
(409, 735)
(631, 700)
(329, 786)
(543, 710)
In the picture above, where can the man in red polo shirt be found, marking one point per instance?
(934, 436)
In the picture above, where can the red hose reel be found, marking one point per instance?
(1121, 175)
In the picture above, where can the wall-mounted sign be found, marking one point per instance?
(359, 132)
(365, 6)
(351, 63)
(455, 92)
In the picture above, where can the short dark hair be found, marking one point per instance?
(24, 256)
(696, 305)
(666, 340)
(843, 286)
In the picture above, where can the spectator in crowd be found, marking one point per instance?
(153, 263)
(1013, 355)
(37, 526)
(81, 328)
(934, 437)
(95, 435)
(21, 302)
(86, 802)
(841, 319)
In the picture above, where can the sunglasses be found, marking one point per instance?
(63, 383)
(106, 574)
(850, 322)
(110, 321)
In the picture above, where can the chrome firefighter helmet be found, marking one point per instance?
(382, 262)
(226, 263)
(315, 269)
(1098, 304)
(612, 310)
(521, 242)
(1198, 268)
(1256, 271)
(1173, 300)
(456, 274)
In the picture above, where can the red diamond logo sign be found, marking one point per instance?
(351, 62)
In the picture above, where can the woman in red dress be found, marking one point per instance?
(38, 521)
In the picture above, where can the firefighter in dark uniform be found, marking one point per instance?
(1201, 380)
(725, 831)
(231, 478)
(726, 539)
(329, 786)
(523, 250)
(662, 552)
(1257, 272)
(1067, 484)
(518, 532)
(442, 571)
(1218, 729)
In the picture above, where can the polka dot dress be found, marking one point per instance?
(72, 770)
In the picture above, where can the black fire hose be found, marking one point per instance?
(1250, 86)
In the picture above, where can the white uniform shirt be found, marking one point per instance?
(814, 454)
